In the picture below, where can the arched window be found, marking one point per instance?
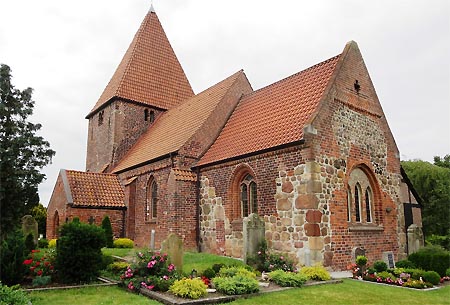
(248, 196)
(368, 198)
(55, 224)
(362, 197)
(349, 205)
(358, 202)
(151, 206)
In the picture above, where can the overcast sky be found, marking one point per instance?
(68, 50)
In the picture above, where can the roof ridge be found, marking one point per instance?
(293, 75)
(90, 173)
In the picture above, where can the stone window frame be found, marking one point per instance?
(101, 115)
(362, 178)
(151, 201)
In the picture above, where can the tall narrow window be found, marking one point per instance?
(248, 196)
(349, 205)
(146, 115)
(358, 203)
(368, 205)
(100, 118)
(154, 189)
(152, 116)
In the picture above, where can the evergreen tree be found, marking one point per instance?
(106, 225)
(22, 154)
(39, 213)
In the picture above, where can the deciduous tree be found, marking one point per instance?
(22, 154)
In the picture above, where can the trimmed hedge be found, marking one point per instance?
(431, 258)
(123, 243)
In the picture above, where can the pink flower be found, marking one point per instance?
(151, 264)
(165, 277)
(171, 267)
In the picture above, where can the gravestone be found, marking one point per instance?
(415, 238)
(253, 234)
(388, 258)
(173, 247)
(30, 225)
(358, 251)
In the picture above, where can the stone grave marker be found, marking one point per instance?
(388, 258)
(253, 235)
(173, 246)
(415, 238)
(30, 225)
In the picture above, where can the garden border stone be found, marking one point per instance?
(216, 298)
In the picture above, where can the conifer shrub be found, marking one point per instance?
(209, 273)
(316, 273)
(12, 255)
(109, 237)
(189, 288)
(78, 252)
(123, 243)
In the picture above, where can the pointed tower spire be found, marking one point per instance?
(152, 9)
(149, 72)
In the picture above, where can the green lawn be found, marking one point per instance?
(202, 261)
(122, 252)
(348, 293)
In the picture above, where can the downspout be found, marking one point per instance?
(197, 211)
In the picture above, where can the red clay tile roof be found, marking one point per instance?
(176, 126)
(149, 72)
(95, 189)
(272, 116)
(184, 175)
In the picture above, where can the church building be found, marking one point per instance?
(311, 156)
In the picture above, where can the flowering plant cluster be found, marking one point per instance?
(39, 265)
(265, 261)
(152, 270)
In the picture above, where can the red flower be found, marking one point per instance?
(27, 261)
(39, 273)
(37, 264)
(35, 251)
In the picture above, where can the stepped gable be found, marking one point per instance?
(96, 190)
(149, 72)
(176, 126)
(272, 116)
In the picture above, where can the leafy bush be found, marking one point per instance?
(43, 243)
(209, 273)
(11, 296)
(152, 271)
(316, 273)
(439, 240)
(361, 260)
(287, 279)
(79, 255)
(447, 272)
(118, 267)
(12, 255)
(123, 243)
(52, 243)
(237, 284)
(29, 242)
(380, 266)
(416, 274)
(217, 267)
(40, 264)
(432, 258)
(106, 261)
(189, 288)
(42, 280)
(384, 275)
(405, 264)
(265, 261)
(431, 277)
(234, 270)
(417, 284)
(371, 270)
(106, 226)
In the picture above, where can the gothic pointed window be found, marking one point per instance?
(349, 205)
(358, 202)
(368, 198)
(151, 206)
(248, 194)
